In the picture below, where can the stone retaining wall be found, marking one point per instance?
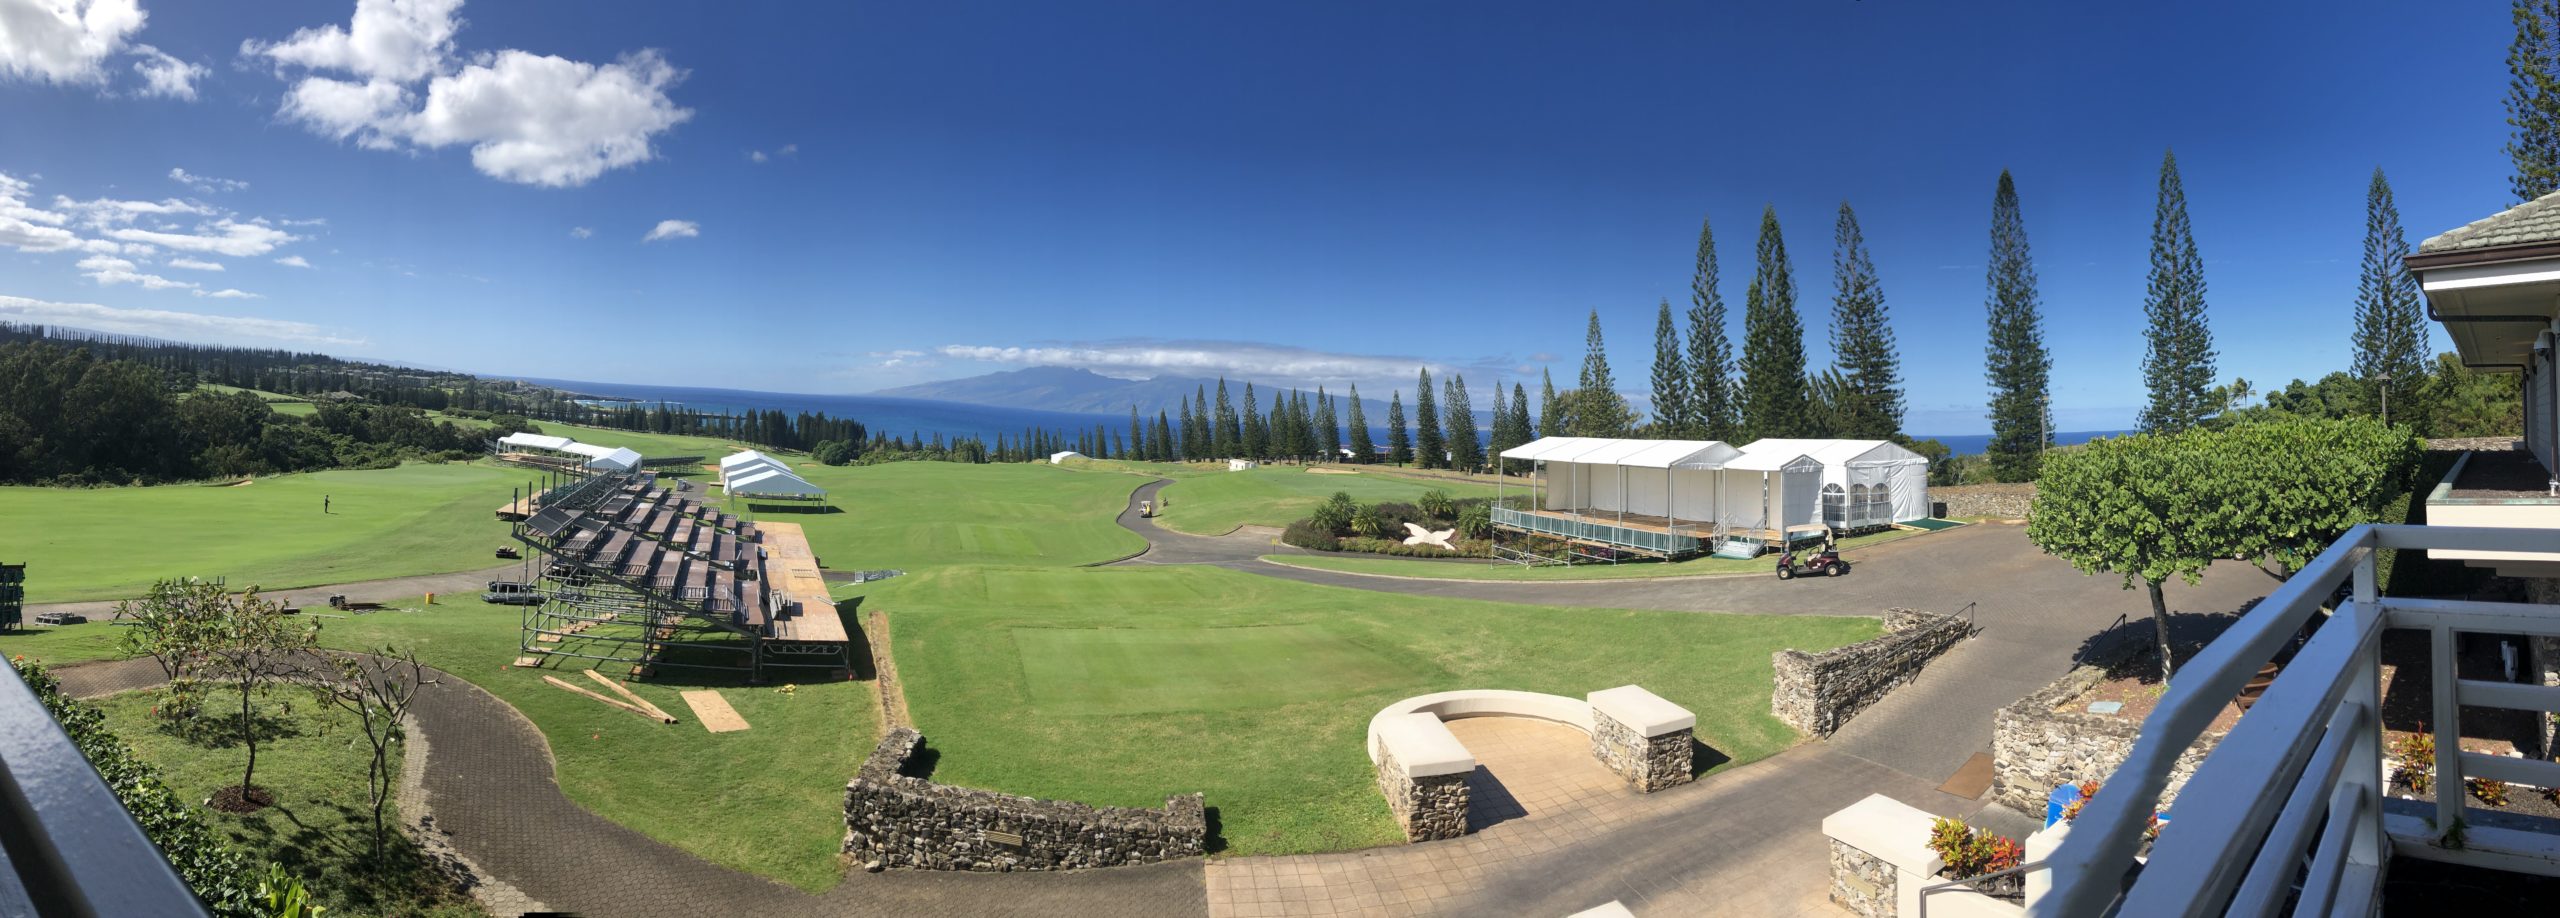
(894, 819)
(1648, 763)
(1986, 501)
(2048, 739)
(1430, 807)
(1819, 692)
(1862, 882)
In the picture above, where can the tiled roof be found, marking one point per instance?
(2537, 220)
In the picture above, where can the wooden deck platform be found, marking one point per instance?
(793, 568)
(1692, 528)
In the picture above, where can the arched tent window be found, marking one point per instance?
(1879, 510)
(1835, 506)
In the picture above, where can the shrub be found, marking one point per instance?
(2491, 791)
(1369, 521)
(1334, 515)
(1396, 547)
(1475, 522)
(1971, 852)
(218, 874)
(1436, 502)
(1306, 534)
(2417, 755)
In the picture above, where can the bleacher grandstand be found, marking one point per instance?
(635, 572)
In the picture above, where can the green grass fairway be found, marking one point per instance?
(1277, 495)
(1359, 563)
(111, 543)
(767, 800)
(321, 826)
(918, 515)
(1276, 744)
(1139, 670)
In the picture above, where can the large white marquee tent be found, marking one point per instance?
(608, 458)
(1864, 482)
(1699, 488)
(749, 473)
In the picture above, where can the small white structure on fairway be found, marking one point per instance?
(601, 458)
(1061, 458)
(1239, 465)
(748, 473)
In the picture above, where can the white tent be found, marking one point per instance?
(744, 469)
(1783, 487)
(1674, 479)
(747, 455)
(1864, 482)
(773, 483)
(611, 458)
(1061, 458)
(535, 441)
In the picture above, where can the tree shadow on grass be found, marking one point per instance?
(223, 730)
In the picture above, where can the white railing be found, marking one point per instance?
(2299, 782)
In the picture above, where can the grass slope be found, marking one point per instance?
(1122, 685)
(918, 515)
(1214, 504)
(766, 800)
(1354, 563)
(313, 759)
(111, 543)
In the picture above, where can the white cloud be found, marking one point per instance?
(231, 294)
(205, 183)
(528, 118)
(195, 264)
(27, 227)
(789, 149)
(64, 41)
(902, 358)
(167, 323)
(580, 232)
(165, 76)
(226, 236)
(1269, 364)
(755, 156)
(293, 261)
(108, 213)
(760, 157)
(109, 270)
(673, 229)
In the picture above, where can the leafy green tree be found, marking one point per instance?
(1523, 429)
(1161, 446)
(1831, 406)
(2178, 366)
(1399, 440)
(2016, 364)
(378, 688)
(2474, 404)
(2533, 99)
(2293, 486)
(2144, 507)
(1773, 391)
(1714, 408)
(1870, 405)
(2391, 318)
(1672, 416)
(1431, 451)
(1498, 436)
(1597, 409)
(1362, 448)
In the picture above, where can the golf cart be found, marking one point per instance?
(511, 593)
(1823, 561)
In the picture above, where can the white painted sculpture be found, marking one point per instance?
(1423, 536)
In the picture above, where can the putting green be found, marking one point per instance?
(1139, 670)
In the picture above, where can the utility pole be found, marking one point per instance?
(2385, 377)
(2044, 423)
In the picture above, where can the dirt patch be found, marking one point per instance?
(2408, 688)
(238, 799)
(1332, 472)
(242, 483)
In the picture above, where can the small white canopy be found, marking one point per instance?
(1059, 457)
(773, 483)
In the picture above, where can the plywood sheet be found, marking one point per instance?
(714, 711)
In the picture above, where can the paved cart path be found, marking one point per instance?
(2035, 612)
(464, 586)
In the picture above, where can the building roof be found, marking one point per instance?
(774, 481)
(2533, 221)
(1633, 453)
(1837, 452)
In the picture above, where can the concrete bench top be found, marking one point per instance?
(1889, 829)
(1422, 746)
(1645, 712)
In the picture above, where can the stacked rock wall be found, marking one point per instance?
(1862, 883)
(1429, 808)
(1985, 501)
(2047, 740)
(894, 819)
(1648, 763)
(1819, 692)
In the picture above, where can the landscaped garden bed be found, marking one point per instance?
(1389, 527)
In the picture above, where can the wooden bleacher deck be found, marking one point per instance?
(790, 565)
(1696, 529)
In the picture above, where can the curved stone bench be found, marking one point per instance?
(1423, 769)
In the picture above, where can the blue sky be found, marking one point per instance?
(864, 196)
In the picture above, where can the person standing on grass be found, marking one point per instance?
(324, 504)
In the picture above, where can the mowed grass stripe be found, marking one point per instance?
(1143, 670)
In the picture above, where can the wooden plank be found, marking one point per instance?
(634, 697)
(714, 711)
(634, 709)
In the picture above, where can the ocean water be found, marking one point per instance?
(910, 416)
